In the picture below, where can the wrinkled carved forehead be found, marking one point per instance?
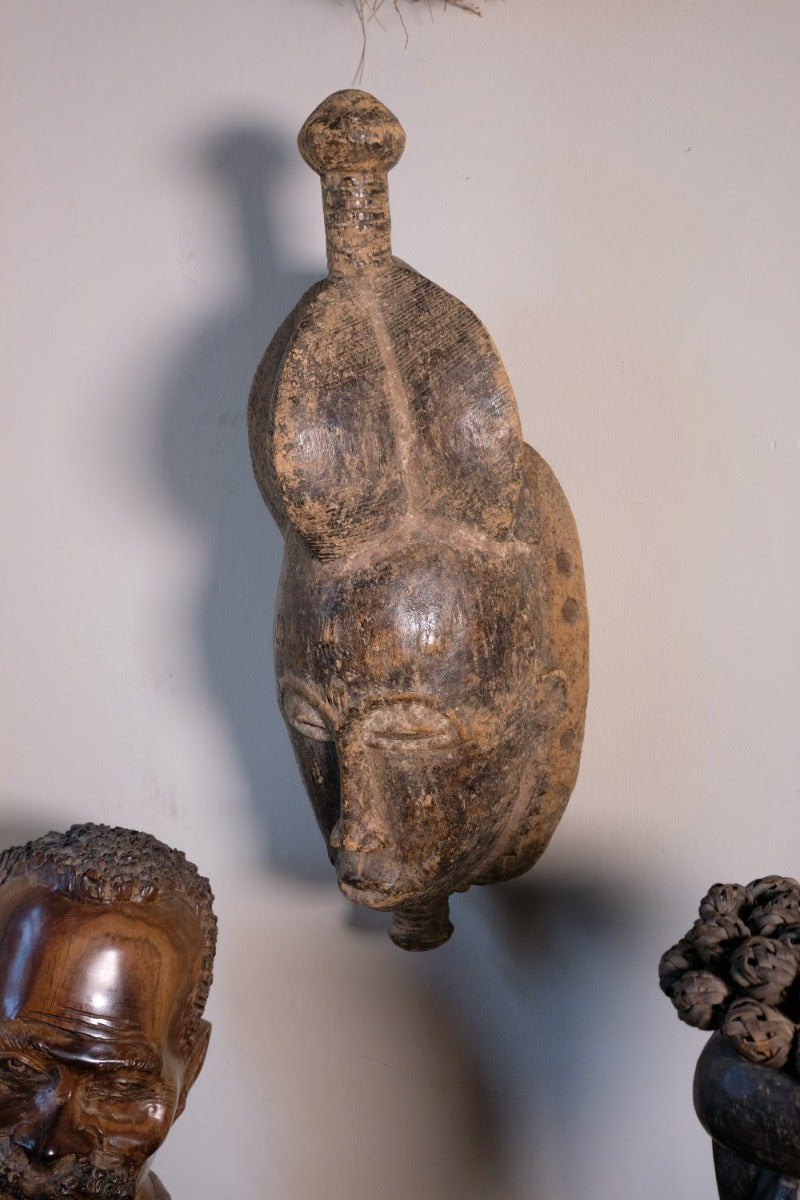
(84, 964)
(454, 622)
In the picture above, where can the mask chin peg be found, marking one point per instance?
(421, 926)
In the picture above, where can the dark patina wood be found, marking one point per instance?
(106, 946)
(431, 629)
(737, 971)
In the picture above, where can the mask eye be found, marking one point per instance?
(303, 717)
(411, 725)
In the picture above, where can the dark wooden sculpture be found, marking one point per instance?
(431, 630)
(106, 948)
(738, 971)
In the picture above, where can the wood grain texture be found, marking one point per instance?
(431, 630)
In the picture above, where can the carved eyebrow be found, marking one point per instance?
(136, 1057)
(15, 1041)
(389, 703)
(149, 1065)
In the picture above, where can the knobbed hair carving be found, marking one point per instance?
(738, 969)
(109, 864)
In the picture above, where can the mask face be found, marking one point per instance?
(407, 684)
(91, 1071)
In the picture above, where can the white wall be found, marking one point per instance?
(614, 187)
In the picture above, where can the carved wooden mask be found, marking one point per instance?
(106, 943)
(431, 629)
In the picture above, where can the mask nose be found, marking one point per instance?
(359, 828)
(355, 835)
(54, 1130)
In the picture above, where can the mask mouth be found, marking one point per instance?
(69, 1176)
(369, 877)
(380, 879)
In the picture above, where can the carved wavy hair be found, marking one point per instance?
(105, 863)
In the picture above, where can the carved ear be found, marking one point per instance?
(197, 1057)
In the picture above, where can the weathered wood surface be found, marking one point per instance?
(431, 629)
(106, 946)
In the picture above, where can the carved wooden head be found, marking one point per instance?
(736, 971)
(431, 629)
(106, 947)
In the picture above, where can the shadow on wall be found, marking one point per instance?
(536, 980)
(205, 460)
(535, 985)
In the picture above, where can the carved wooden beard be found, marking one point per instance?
(73, 1178)
(431, 631)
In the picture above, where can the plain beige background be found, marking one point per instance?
(615, 189)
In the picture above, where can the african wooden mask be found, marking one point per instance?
(431, 630)
(106, 946)
(737, 971)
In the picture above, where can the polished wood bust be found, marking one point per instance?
(106, 947)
